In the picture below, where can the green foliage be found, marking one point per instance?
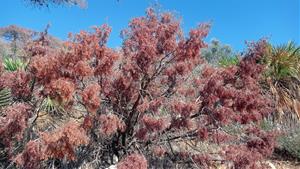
(283, 61)
(218, 54)
(11, 64)
(51, 106)
(267, 125)
(233, 129)
(228, 61)
(291, 143)
(282, 74)
(289, 140)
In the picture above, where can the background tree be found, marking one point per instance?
(47, 3)
(218, 54)
(14, 39)
(16, 36)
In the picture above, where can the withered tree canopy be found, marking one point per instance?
(47, 3)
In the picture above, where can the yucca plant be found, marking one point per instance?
(49, 105)
(11, 64)
(284, 62)
(5, 97)
(52, 114)
(283, 78)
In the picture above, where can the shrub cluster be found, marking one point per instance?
(139, 103)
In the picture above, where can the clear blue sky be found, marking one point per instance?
(234, 21)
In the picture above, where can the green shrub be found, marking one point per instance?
(290, 143)
(267, 125)
(228, 61)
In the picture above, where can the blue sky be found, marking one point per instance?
(233, 21)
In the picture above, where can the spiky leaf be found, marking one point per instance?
(5, 97)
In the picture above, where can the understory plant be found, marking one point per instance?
(289, 144)
(136, 105)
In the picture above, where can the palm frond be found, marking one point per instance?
(284, 61)
(5, 97)
(52, 114)
(283, 76)
(11, 64)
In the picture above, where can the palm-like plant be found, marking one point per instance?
(283, 77)
(283, 62)
(5, 97)
(52, 114)
(11, 64)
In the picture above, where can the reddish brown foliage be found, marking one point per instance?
(59, 144)
(142, 97)
(82, 69)
(202, 133)
(202, 159)
(45, 72)
(31, 156)
(110, 124)
(14, 122)
(159, 151)
(6, 80)
(18, 82)
(85, 53)
(231, 90)
(61, 89)
(90, 97)
(133, 161)
(184, 109)
(153, 124)
(21, 85)
(87, 122)
(62, 142)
